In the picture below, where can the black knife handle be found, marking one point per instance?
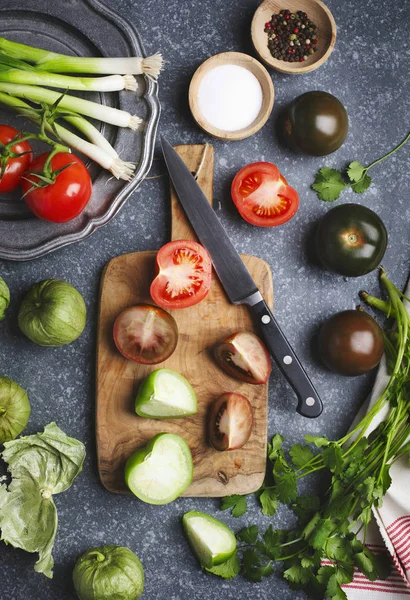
(309, 405)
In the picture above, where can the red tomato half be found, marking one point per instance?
(184, 270)
(262, 195)
(67, 196)
(15, 167)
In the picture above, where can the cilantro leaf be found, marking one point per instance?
(300, 455)
(228, 569)
(355, 171)
(237, 503)
(333, 458)
(269, 502)
(286, 486)
(337, 548)
(362, 185)
(297, 574)
(320, 534)
(318, 441)
(249, 535)
(328, 184)
(275, 447)
(304, 505)
(252, 567)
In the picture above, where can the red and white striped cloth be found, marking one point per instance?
(389, 532)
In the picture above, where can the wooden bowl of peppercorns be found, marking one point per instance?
(295, 36)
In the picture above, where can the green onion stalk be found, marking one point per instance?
(60, 63)
(102, 152)
(111, 83)
(101, 112)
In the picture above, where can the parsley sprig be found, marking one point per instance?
(329, 183)
(320, 553)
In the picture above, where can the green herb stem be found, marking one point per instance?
(406, 139)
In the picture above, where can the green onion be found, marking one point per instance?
(100, 112)
(60, 63)
(92, 133)
(119, 168)
(111, 83)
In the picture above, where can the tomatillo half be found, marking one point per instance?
(351, 240)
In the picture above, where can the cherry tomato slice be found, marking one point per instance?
(184, 271)
(145, 334)
(15, 167)
(262, 195)
(243, 356)
(67, 197)
(230, 421)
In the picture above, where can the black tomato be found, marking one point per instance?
(351, 343)
(351, 240)
(316, 123)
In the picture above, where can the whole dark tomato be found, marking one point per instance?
(351, 240)
(316, 123)
(262, 195)
(64, 199)
(351, 343)
(15, 167)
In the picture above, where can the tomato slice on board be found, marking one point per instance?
(145, 334)
(244, 356)
(184, 271)
(262, 195)
(230, 421)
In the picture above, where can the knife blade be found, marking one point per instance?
(236, 279)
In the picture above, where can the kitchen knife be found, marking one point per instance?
(236, 279)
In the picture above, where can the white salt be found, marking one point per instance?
(229, 97)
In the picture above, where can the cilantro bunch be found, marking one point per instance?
(320, 553)
(329, 183)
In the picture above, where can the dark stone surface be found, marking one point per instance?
(369, 72)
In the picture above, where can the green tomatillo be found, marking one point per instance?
(4, 298)
(14, 409)
(53, 313)
(108, 572)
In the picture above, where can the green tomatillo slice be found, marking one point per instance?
(165, 393)
(161, 471)
(212, 541)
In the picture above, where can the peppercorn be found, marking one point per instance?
(291, 36)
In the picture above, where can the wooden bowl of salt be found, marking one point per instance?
(231, 96)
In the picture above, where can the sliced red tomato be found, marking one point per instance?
(262, 195)
(145, 334)
(230, 421)
(15, 167)
(184, 270)
(243, 356)
(64, 199)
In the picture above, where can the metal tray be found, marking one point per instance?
(82, 27)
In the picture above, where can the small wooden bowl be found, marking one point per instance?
(255, 67)
(316, 11)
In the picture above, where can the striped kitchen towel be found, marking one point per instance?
(390, 531)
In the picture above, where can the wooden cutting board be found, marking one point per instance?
(125, 282)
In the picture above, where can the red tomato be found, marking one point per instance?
(67, 196)
(184, 270)
(262, 195)
(15, 167)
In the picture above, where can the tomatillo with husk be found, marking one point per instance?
(108, 572)
(53, 313)
(14, 409)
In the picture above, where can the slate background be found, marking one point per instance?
(369, 72)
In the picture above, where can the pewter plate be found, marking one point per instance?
(81, 27)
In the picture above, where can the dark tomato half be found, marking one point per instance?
(145, 334)
(230, 421)
(351, 240)
(243, 356)
(351, 343)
